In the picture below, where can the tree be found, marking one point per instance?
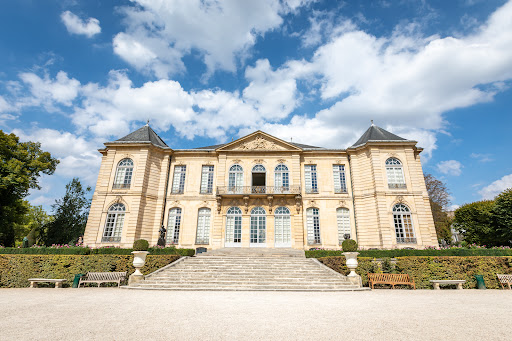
(502, 217)
(439, 200)
(70, 215)
(31, 224)
(21, 165)
(475, 222)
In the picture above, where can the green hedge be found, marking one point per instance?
(15, 270)
(89, 251)
(423, 269)
(406, 253)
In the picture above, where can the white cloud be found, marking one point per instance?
(450, 167)
(76, 25)
(495, 188)
(162, 32)
(482, 157)
(61, 90)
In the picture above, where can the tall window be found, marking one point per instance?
(311, 179)
(178, 181)
(236, 179)
(114, 223)
(173, 226)
(313, 221)
(403, 224)
(234, 226)
(124, 174)
(395, 173)
(343, 219)
(259, 176)
(207, 179)
(340, 184)
(281, 179)
(258, 225)
(203, 226)
(282, 227)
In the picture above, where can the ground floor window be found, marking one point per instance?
(343, 219)
(258, 225)
(313, 225)
(234, 226)
(114, 223)
(403, 224)
(282, 227)
(173, 226)
(203, 226)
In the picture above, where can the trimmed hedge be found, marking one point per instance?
(423, 269)
(407, 253)
(15, 270)
(74, 250)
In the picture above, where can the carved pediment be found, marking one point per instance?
(259, 141)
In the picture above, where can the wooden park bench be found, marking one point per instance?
(102, 277)
(505, 279)
(58, 282)
(392, 279)
(457, 282)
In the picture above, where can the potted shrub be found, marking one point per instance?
(349, 247)
(140, 251)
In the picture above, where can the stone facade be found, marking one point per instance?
(155, 193)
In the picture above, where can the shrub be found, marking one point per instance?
(15, 270)
(107, 250)
(140, 245)
(455, 251)
(349, 245)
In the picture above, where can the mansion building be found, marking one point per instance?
(260, 191)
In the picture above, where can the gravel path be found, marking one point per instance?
(115, 314)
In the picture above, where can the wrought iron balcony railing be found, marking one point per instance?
(105, 239)
(121, 186)
(401, 186)
(404, 240)
(248, 190)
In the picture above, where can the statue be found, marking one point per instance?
(161, 239)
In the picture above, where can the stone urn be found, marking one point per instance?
(139, 259)
(351, 260)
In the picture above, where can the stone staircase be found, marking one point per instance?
(249, 270)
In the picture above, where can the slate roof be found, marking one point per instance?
(143, 135)
(374, 134)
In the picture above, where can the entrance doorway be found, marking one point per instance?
(258, 227)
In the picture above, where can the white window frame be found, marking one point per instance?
(313, 226)
(311, 178)
(404, 228)
(340, 179)
(203, 226)
(395, 173)
(124, 174)
(207, 173)
(258, 232)
(233, 227)
(113, 228)
(174, 226)
(178, 181)
(282, 227)
(343, 221)
(281, 179)
(236, 179)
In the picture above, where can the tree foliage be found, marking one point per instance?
(502, 216)
(439, 200)
(70, 215)
(21, 165)
(474, 221)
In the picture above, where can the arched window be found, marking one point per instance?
(234, 226)
(124, 174)
(114, 223)
(203, 226)
(281, 179)
(258, 226)
(343, 219)
(173, 226)
(259, 177)
(403, 224)
(395, 173)
(236, 179)
(282, 227)
(313, 221)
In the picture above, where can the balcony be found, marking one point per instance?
(397, 186)
(257, 190)
(406, 240)
(106, 239)
(121, 186)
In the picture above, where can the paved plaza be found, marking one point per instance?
(116, 314)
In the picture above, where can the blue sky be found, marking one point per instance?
(75, 74)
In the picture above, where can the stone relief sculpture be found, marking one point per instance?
(259, 143)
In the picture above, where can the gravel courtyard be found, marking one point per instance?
(116, 314)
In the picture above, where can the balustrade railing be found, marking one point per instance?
(248, 190)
